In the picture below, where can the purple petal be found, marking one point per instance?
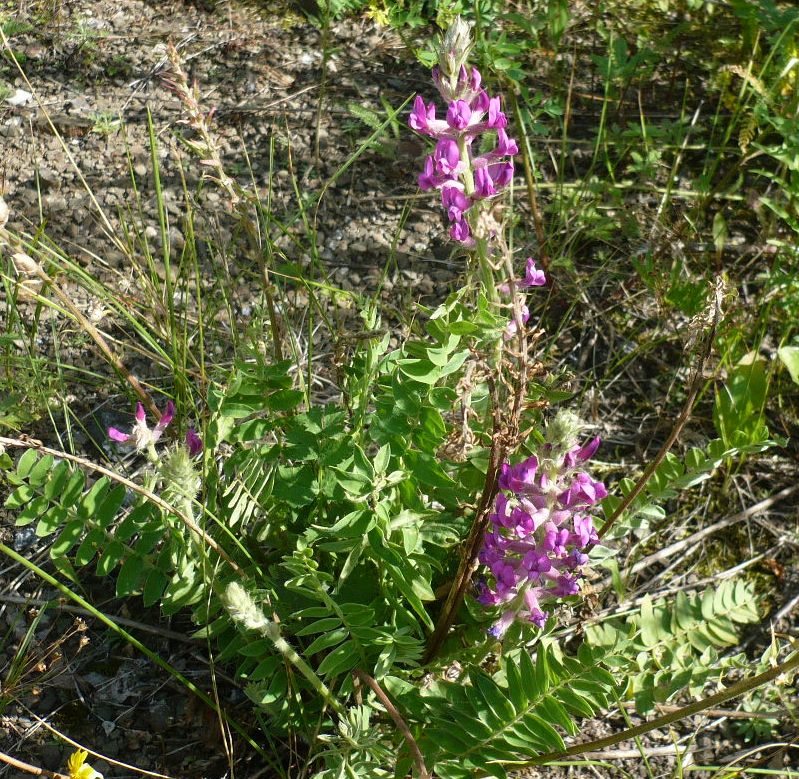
(496, 119)
(140, 415)
(167, 416)
(117, 435)
(459, 114)
(587, 451)
(460, 231)
(447, 157)
(474, 80)
(505, 146)
(532, 277)
(193, 442)
(428, 178)
(483, 184)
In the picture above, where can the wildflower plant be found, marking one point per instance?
(357, 559)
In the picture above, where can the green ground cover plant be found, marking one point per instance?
(404, 538)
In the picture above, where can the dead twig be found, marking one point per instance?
(696, 383)
(30, 769)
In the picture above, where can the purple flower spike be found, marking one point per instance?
(141, 436)
(193, 442)
(542, 523)
(470, 112)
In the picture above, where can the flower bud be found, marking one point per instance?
(563, 431)
(453, 53)
(242, 608)
(180, 476)
(4, 212)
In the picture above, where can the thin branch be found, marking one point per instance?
(685, 414)
(398, 721)
(476, 533)
(30, 769)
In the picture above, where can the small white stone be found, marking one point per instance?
(19, 98)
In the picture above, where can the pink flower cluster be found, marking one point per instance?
(541, 524)
(464, 179)
(142, 437)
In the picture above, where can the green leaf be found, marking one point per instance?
(67, 539)
(20, 497)
(105, 513)
(110, 557)
(58, 478)
(326, 641)
(340, 660)
(154, 586)
(40, 470)
(129, 576)
(51, 521)
(789, 356)
(26, 462)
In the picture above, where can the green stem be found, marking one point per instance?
(272, 632)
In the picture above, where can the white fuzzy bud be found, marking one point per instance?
(242, 608)
(4, 213)
(180, 476)
(564, 430)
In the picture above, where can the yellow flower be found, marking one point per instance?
(78, 767)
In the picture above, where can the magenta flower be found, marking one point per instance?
(470, 113)
(483, 184)
(534, 278)
(141, 436)
(193, 442)
(455, 202)
(447, 158)
(506, 147)
(460, 231)
(541, 524)
(496, 119)
(459, 115)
